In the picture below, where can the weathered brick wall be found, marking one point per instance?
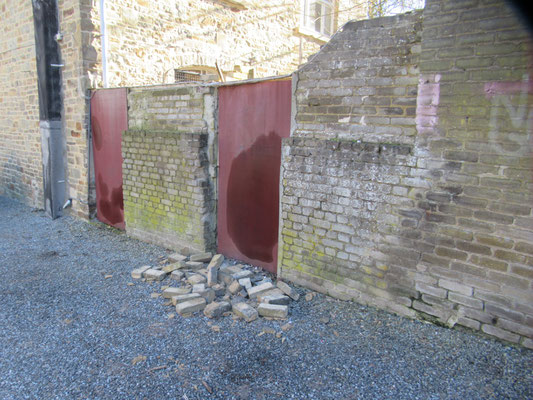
(442, 229)
(20, 152)
(170, 165)
(20, 141)
(168, 198)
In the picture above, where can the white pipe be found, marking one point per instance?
(104, 42)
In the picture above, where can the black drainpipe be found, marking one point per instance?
(46, 22)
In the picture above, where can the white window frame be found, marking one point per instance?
(308, 19)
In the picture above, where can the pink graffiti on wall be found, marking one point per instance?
(511, 115)
(427, 103)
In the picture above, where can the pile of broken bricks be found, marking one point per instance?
(219, 290)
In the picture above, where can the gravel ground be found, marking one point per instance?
(68, 332)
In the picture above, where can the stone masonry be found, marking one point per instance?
(407, 183)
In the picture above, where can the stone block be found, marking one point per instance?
(196, 278)
(154, 274)
(256, 290)
(245, 311)
(176, 257)
(201, 257)
(235, 287)
(184, 297)
(277, 299)
(175, 291)
(225, 274)
(242, 274)
(289, 291)
(137, 273)
(212, 275)
(199, 287)
(216, 261)
(173, 267)
(194, 265)
(191, 306)
(177, 275)
(216, 309)
(208, 294)
(271, 292)
(273, 310)
(245, 283)
(219, 289)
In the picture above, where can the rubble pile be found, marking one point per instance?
(203, 282)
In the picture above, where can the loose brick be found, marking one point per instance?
(245, 311)
(289, 291)
(215, 310)
(184, 297)
(154, 274)
(191, 306)
(138, 272)
(174, 291)
(273, 311)
(256, 290)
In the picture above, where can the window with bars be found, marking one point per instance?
(187, 76)
(317, 16)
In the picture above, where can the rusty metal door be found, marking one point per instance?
(252, 120)
(109, 118)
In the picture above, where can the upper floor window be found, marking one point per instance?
(317, 16)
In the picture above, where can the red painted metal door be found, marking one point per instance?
(109, 118)
(252, 120)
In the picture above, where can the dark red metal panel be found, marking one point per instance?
(252, 120)
(109, 118)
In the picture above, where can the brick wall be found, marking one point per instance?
(419, 201)
(170, 165)
(20, 141)
(168, 198)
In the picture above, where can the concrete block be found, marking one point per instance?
(242, 274)
(216, 261)
(245, 311)
(271, 292)
(219, 289)
(199, 287)
(137, 273)
(191, 306)
(273, 310)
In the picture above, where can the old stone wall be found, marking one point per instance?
(148, 40)
(169, 167)
(20, 142)
(414, 195)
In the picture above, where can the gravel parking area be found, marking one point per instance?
(72, 328)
